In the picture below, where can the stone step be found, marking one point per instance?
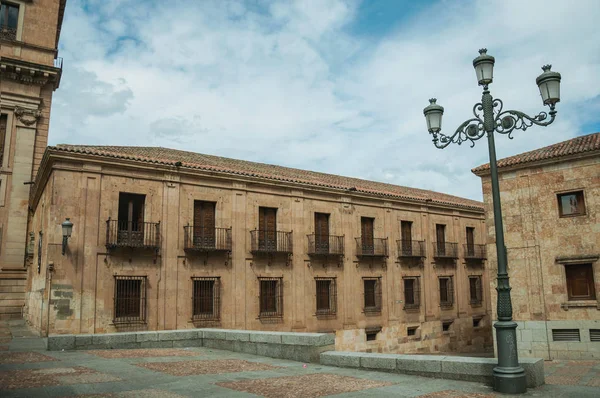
(10, 316)
(12, 289)
(14, 309)
(11, 302)
(12, 295)
(13, 282)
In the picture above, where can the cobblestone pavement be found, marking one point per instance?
(27, 370)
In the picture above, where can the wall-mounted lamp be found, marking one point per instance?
(67, 228)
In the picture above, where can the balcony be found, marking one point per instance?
(411, 248)
(325, 245)
(132, 234)
(202, 239)
(445, 250)
(271, 242)
(375, 247)
(475, 252)
(8, 33)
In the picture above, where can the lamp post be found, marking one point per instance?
(509, 376)
(67, 228)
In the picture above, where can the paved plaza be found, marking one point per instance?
(27, 370)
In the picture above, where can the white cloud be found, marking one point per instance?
(289, 83)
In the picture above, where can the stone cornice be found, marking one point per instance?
(29, 73)
(52, 155)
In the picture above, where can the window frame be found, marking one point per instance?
(476, 301)
(215, 314)
(416, 293)
(143, 294)
(17, 29)
(278, 292)
(331, 297)
(377, 296)
(449, 302)
(580, 194)
(590, 282)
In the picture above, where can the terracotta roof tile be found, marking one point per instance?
(219, 164)
(583, 144)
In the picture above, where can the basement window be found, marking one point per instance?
(446, 326)
(411, 331)
(476, 322)
(565, 335)
(371, 333)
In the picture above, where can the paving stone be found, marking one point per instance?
(156, 344)
(187, 343)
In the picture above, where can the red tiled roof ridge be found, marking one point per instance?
(161, 155)
(573, 146)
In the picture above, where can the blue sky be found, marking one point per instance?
(336, 86)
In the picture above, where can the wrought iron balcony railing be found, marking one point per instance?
(132, 234)
(205, 239)
(445, 250)
(325, 245)
(411, 248)
(375, 247)
(8, 33)
(475, 252)
(270, 241)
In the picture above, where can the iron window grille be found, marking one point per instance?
(130, 299)
(270, 297)
(132, 234)
(325, 245)
(371, 247)
(446, 292)
(571, 204)
(372, 295)
(206, 238)
(475, 290)
(271, 241)
(9, 16)
(475, 252)
(566, 335)
(206, 298)
(412, 292)
(445, 250)
(326, 294)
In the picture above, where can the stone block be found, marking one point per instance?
(218, 344)
(311, 339)
(343, 359)
(270, 350)
(244, 346)
(185, 334)
(123, 346)
(467, 368)
(300, 353)
(535, 325)
(534, 371)
(236, 335)
(146, 336)
(83, 340)
(526, 335)
(187, 343)
(61, 342)
(419, 364)
(539, 335)
(214, 334)
(110, 340)
(378, 361)
(265, 337)
(157, 344)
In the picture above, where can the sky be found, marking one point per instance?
(336, 86)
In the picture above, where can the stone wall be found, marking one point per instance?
(540, 245)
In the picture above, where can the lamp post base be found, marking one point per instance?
(509, 376)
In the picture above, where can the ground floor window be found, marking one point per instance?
(446, 291)
(326, 292)
(130, 299)
(270, 297)
(475, 287)
(206, 298)
(412, 292)
(372, 295)
(580, 281)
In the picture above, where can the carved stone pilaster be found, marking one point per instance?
(28, 117)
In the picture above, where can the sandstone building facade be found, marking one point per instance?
(30, 71)
(551, 208)
(166, 239)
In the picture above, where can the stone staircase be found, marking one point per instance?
(12, 293)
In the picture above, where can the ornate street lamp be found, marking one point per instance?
(509, 376)
(67, 228)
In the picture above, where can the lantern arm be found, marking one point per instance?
(470, 130)
(508, 121)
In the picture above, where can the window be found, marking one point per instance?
(475, 286)
(3, 127)
(321, 233)
(580, 282)
(131, 219)
(372, 295)
(204, 224)
(130, 299)
(206, 298)
(371, 333)
(476, 322)
(446, 291)
(412, 331)
(594, 335)
(446, 326)
(267, 228)
(470, 241)
(440, 235)
(571, 204)
(9, 17)
(566, 335)
(412, 293)
(271, 297)
(326, 296)
(366, 235)
(406, 236)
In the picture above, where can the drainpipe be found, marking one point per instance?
(50, 271)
